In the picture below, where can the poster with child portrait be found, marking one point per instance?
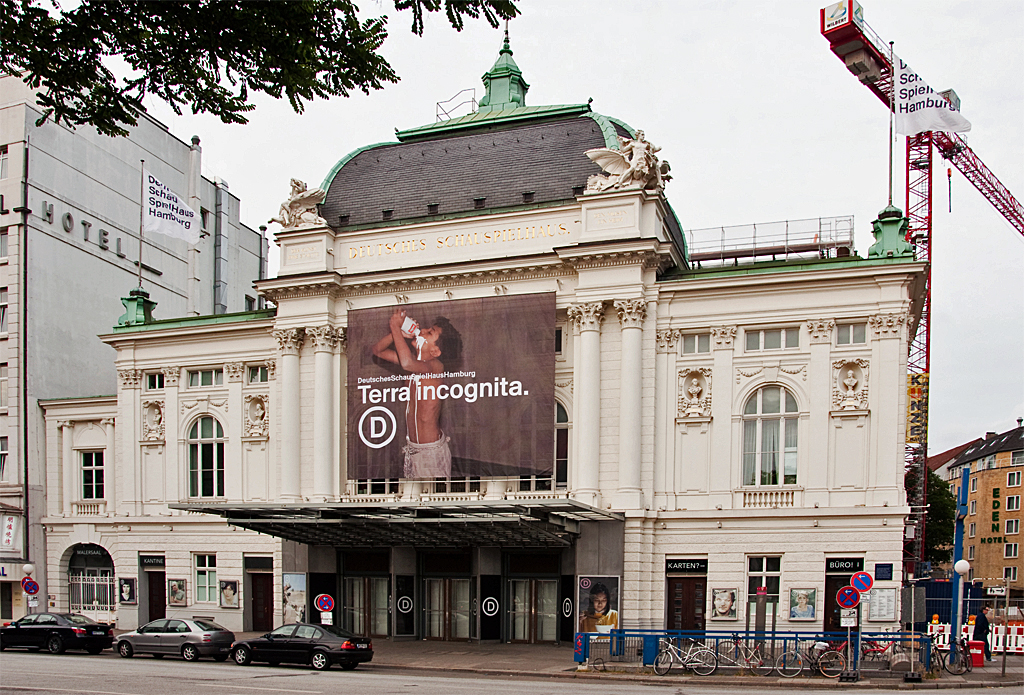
(801, 604)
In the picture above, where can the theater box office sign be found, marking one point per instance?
(452, 389)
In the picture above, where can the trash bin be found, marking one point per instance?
(977, 649)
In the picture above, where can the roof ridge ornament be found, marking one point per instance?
(633, 165)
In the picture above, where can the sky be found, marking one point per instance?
(759, 120)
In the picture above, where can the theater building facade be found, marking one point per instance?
(498, 398)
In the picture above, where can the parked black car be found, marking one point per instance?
(190, 639)
(57, 632)
(302, 643)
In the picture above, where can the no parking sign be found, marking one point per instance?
(324, 603)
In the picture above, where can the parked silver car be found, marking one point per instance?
(190, 639)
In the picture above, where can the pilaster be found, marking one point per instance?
(324, 340)
(233, 473)
(290, 343)
(110, 466)
(631, 318)
(721, 477)
(67, 461)
(810, 471)
(586, 319)
(666, 342)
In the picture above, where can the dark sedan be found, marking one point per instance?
(189, 639)
(57, 632)
(302, 643)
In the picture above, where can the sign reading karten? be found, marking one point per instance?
(452, 389)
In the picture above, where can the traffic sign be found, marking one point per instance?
(996, 591)
(324, 603)
(862, 582)
(30, 585)
(848, 597)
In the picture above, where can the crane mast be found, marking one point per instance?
(870, 58)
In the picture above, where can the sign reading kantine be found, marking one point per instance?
(452, 389)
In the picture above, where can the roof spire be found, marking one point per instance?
(504, 83)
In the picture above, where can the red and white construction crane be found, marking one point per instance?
(868, 57)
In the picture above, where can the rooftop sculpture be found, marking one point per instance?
(633, 165)
(300, 208)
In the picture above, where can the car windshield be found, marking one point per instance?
(209, 626)
(335, 630)
(77, 619)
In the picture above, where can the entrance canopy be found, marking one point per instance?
(524, 523)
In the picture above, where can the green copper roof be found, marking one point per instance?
(504, 83)
(193, 321)
(345, 160)
(479, 119)
(890, 230)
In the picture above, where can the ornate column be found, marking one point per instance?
(722, 479)
(67, 464)
(632, 313)
(176, 478)
(815, 477)
(234, 469)
(290, 341)
(586, 319)
(324, 340)
(110, 467)
(340, 423)
(664, 425)
(129, 409)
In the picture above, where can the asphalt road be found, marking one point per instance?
(107, 674)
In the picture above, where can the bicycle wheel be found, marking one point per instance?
(954, 662)
(663, 662)
(831, 664)
(789, 664)
(760, 664)
(703, 662)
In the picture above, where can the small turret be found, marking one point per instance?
(890, 230)
(504, 83)
(138, 308)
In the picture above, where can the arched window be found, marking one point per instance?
(770, 437)
(206, 458)
(561, 446)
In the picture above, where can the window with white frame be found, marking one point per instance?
(1010, 550)
(92, 475)
(206, 458)
(1013, 479)
(3, 309)
(1013, 503)
(559, 344)
(970, 552)
(3, 162)
(3, 385)
(250, 303)
(770, 437)
(205, 377)
(258, 375)
(1010, 573)
(772, 339)
(970, 575)
(971, 528)
(1012, 527)
(154, 381)
(561, 445)
(974, 506)
(974, 484)
(696, 343)
(987, 462)
(3, 456)
(206, 578)
(1017, 458)
(851, 334)
(3, 242)
(764, 571)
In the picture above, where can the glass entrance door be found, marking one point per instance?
(448, 609)
(533, 615)
(365, 611)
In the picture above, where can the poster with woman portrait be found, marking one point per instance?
(126, 591)
(723, 604)
(801, 604)
(229, 594)
(176, 595)
(598, 604)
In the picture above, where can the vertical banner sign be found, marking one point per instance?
(452, 389)
(917, 408)
(10, 532)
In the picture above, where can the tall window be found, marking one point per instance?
(974, 484)
(92, 475)
(206, 578)
(3, 242)
(205, 377)
(970, 552)
(3, 310)
(766, 572)
(770, 437)
(3, 456)
(206, 458)
(561, 446)
(3, 385)
(971, 530)
(3, 162)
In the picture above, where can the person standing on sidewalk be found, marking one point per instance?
(981, 628)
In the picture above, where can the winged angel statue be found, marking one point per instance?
(300, 208)
(634, 164)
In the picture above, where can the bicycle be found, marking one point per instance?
(750, 658)
(881, 649)
(820, 656)
(696, 657)
(958, 659)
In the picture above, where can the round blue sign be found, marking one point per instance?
(30, 586)
(862, 581)
(324, 603)
(848, 597)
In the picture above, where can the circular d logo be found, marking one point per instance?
(377, 427)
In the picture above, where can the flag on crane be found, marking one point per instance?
(920, 108)
(166, 213)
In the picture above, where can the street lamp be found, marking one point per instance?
(961, 567)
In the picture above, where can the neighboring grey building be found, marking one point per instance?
(77, 195)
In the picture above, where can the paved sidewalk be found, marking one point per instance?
(549, 661)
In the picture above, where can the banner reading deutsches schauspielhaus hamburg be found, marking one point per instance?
(163, 212)
(919, 108)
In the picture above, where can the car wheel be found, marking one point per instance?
(189, 652)
(125, 649)
(221, 657)
(55, 645)
(348, 667)
(242, 656)
(94, 650)
(320, 661)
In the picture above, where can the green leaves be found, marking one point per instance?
(208, 55)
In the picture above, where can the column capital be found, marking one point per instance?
(108, 421)
(342, 334)
(632, 312)
(271, 369)
(66, 424)
(171, 374)
(723, 336)
(586, 317)
(129, 378)
(290, 340)
(234, 371)
(887, 325)
(323, 338)
(821, 330)
(667, 339)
